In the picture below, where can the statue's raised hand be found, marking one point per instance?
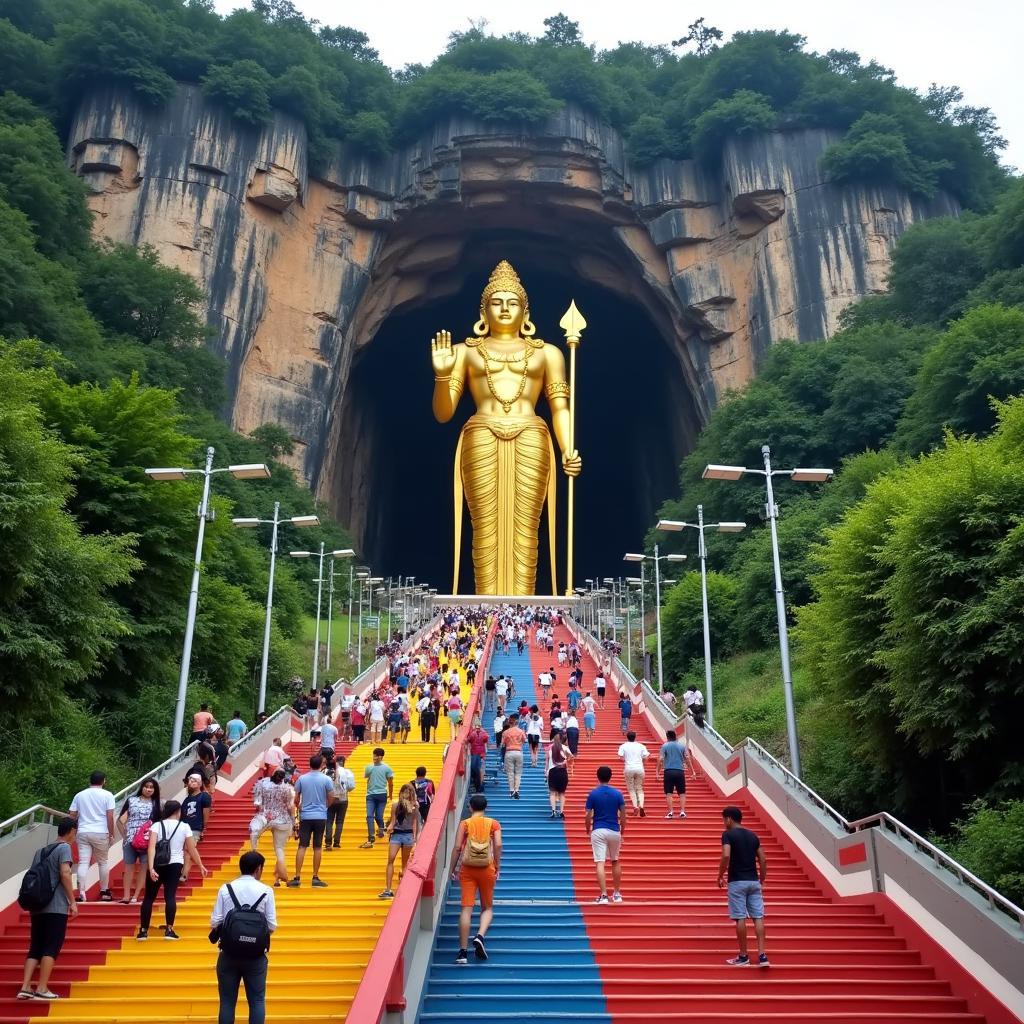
(442, 355)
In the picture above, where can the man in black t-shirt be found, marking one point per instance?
(743, 863)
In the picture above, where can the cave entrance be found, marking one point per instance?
(635, 421)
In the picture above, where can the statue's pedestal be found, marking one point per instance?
(544, 600)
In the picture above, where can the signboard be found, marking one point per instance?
(371, 621)
(619, 621)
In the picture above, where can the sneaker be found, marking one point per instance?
(480, 948)
(603, 898)
(380, 834)
(106, 896)
(670, 815)
(739, 961)
(463, 958)
(294, 883)
(643, 813)
(516, 794)
(368, 845)
(80, 898)
(616, 897)
(25, 993)
(682, 814)
(317, 884)
(142, 934)
(763, 961)
(387, 894)
(171, 934)
(553, 815)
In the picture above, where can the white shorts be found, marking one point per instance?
(606, 843)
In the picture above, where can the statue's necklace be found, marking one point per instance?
(506, 405)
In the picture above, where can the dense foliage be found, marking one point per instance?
(679, 100)
(103, 372)
(902, 575)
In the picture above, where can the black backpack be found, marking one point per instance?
(37, 886)
(162, 854)
(245, 933)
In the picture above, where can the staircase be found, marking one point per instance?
(540, 964)
(660, 956)
(318, 953)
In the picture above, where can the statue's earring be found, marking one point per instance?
(480, 327)
(528, 329)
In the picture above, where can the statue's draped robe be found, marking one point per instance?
(506, 467)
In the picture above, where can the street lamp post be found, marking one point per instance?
(341, 553)
(362, 576)
(274, 523)
(247, 471)
(657, 559)
(675, 526)
(816, 475)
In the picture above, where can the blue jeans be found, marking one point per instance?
(253, 974)
(476, 771)
(375, 804)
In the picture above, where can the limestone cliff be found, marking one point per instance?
(302, 269)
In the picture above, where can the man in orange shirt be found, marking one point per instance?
(512, 740)
(200, 721)
(477, 865)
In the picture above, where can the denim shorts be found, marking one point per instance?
(133, 856)
(745, 900)
(401, 839)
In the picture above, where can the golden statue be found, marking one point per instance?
(505, 462)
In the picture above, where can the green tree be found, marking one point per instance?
(918, 622)
(990, 842)
(560, 30)
(58, 618)
(743, 113)
(682, 620)
(876, 149)
(243, 87)
(704, 37)
(116, 41)
(979, 358)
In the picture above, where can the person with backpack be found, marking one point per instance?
(424, 791)
(344, 782)
(477, 866)
(49, 897)
(169, 840)
(243, 918)
(137, 815)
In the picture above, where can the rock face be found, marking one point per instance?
(301, 269)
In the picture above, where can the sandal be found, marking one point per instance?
(124, 902)
(25, 993)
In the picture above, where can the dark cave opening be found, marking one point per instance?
(632, 408)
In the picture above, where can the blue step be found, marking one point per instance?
(527, 939)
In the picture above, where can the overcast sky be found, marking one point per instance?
(975, 45)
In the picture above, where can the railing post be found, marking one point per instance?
(394, 1000)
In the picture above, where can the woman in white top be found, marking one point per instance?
(274, 800)
(165, 867)
(376, 716)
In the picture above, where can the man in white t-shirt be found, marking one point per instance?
(93, 810)
(633, 755)
(232, 970)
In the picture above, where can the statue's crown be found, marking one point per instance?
(503, 279)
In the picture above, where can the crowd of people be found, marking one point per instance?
(161, 839)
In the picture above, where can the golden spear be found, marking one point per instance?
(573, 324)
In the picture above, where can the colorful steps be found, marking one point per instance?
(107, 976)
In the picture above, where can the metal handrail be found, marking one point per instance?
(995, 899)
(27, 818)
(183, 755)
